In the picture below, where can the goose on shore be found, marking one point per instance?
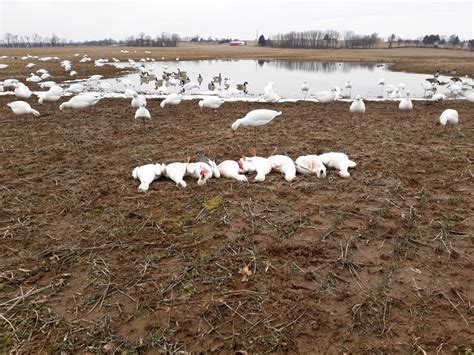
(171, 99)
(406, 104)
(146, 174)
(357, 106)
(230, 169)
(212, 102)
(310, 164)
(256, 118)
(80, 101)
(449, 116)
(52, 95)
(283, 164)
(176, 173)
(22, 108)
(338, 161)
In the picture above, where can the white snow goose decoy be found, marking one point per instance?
(22, 108)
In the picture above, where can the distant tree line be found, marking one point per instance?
(199, 39)
(349, 39)
(320, 39)
(35, 40)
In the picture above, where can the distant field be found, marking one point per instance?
(418, 60)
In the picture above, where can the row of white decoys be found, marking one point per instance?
(205, 169)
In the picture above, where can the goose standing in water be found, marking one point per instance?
(348, 88)
(305, 89)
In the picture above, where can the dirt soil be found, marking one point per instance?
(416, 60)
(381, 262)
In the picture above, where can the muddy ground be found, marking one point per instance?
(377, 263)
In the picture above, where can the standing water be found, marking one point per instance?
(287, 76)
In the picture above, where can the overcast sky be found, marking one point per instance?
(97, 19)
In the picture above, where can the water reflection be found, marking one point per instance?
(308, 66)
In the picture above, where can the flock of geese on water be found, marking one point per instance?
(205, 168)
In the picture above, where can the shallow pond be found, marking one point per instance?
(287, 76)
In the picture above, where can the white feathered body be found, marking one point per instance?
(138, 101)
(213, 102)
(310, 164)
(80, 101)
(449, 116)
(338, 161)
(171, 99)
(176, 172)
(283, 164)
(22, 108)
(146, 174)
(357, 106)
(230, 169)
(256, 164)
(258, 117)
(142, 112)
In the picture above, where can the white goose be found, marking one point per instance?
(284, 164)
(146, 174)
(176, 173)
(449, 116)
(80, 101)
(22, 91)
(326, 96)
(76, 88)
(310, 164)
(357, 106)
(143, 113)
(212, 102)
(305, 89)
(52, 95)
(34, 78)
(201, 171)
(348, 86)
(271, 96)
(172, 99)
(256, 118)
(22, 108)
(47, 84)
(438, 97)
(469, 96)
(406, 104)
(339, 161)
(256, 164)
(230, 170)
(190, 87)
(30, 65)
(138, 101)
